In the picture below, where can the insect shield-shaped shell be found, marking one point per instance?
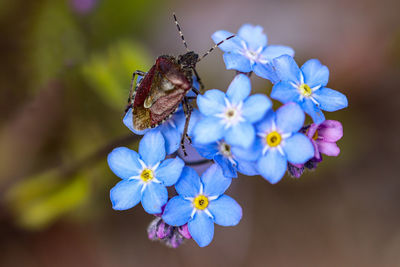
(160, 92)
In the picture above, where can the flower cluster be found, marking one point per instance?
(235, 131)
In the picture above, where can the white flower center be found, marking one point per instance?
(253, 56)
(225, 150)
(232, 114)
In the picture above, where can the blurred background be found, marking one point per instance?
(64, 79)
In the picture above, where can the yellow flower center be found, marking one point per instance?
(315, 136)
(305, 90)
(273, 139)
(200, 202)
(146, 175)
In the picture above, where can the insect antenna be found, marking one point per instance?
(180, 33)
(215, 46)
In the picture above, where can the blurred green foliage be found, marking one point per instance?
(91, 56)
(38, 201)
(56, 42)
(109, 72)
(346, 210)
(113, 20)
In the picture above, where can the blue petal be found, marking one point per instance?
(253, 35)
(273, 51)
(265, 71)
(311, 109)
(298, 149)
(315, 73)
(212, 102)
(129, 123)
(195, 85)
(241, 134)
(290, 118)
(208, 130)
(171, 136)
(239, 89)
(285, 92)
(251, 153)
(154, 197)
(227, 168)
(126, 194)
(225, 210)
(258, 146)
(255, 107)
(169, 171)
(201, 228)
(248, 168)
(287, 69)
(194, 118)
(237, 62)
(189, 183)
(152, 147)
(177, 211)
(180, 119)
(214, 181)
(207, 151)
(330, 100)
(266, 123)
(272, 166)
(231, 45)
(124, 162)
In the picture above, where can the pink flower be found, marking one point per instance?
(324, 137)
(172, 236)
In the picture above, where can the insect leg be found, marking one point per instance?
(198, 80)
(195, 91)
(187, 109)
(139, 73)
(131, 90)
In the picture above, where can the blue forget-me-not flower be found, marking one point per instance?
(201, 203)
(232, 131)
(231, 115)
(248, 51)
(306, 86)
(231, 159)
(144, 175)
(279, 142)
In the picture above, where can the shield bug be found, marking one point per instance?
(164, 87)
